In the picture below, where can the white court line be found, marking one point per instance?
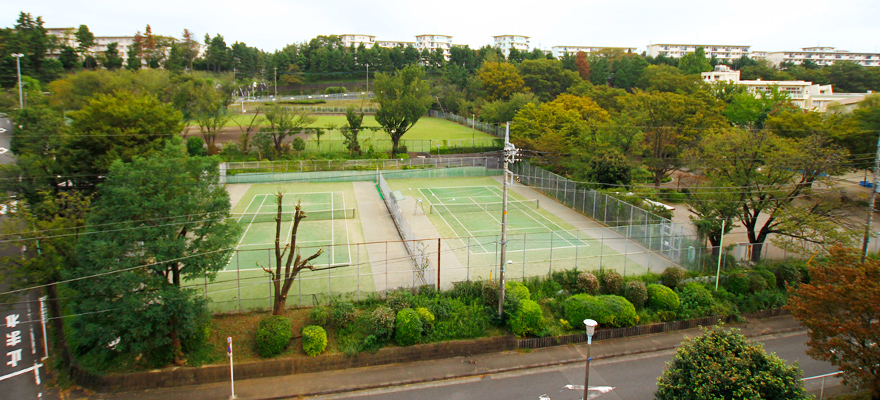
(450, 225)
(248, 227)
(529, 214)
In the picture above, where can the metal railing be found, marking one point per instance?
(491, 129)
(421, 263)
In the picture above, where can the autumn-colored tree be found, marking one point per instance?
(285, 271)
(841, 306)
(583, 65)
(500, 80)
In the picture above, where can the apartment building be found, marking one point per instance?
(355, 40)
(394, 43)
(823, 56)
(719, 51)
(432, 42)
(560, 51)
(507, 42)
(804, 94)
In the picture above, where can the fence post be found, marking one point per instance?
(238, 276)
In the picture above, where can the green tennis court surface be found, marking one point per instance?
(538, 242)
(331, 224)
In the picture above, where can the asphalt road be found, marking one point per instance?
(631, 377)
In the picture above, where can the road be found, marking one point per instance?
(631, 377)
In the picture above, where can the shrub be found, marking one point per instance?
(195, 146)
(382, 322)
(466, 291)
(636, 293)
(696, 301)
(663, 298)
(529, 320)
(408, 327)
(612, 282)
(588, 283)
(518, 289)
(335, 89)
(672, 277)
(787, 275)
(618, 311)
(490, 294)
(320, 316)
(342, 313)
(314, 340)
(579, 307)
(426, 316)
(273, 335)
(768, 277)
(567, 278)
(399, 299)
(737, 283)
(757, 283)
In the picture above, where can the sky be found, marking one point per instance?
(766, 25)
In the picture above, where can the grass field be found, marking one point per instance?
(244, 282)
(538, 241)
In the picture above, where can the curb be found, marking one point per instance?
(501, 370)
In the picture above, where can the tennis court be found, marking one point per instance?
(331, 224)
(469, 210)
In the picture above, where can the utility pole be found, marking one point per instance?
(509, 154)
(276, 84)
(867, 237)
(18, 57)
(368, 78)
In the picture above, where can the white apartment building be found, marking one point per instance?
(507, 42)
(432, 42)
(823, 56)
(394, 43)
(719, 51)
(804, 94)
(560, 51)
(355, 40)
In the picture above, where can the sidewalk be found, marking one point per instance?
(292, 386)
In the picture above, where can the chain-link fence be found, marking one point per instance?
(491, 129)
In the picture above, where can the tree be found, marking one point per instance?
(115, 127)
(112, 60)
(355, 118)
(772, 181)
(159, 221)
(583, 65)
(750, 110)
(133, 62)
(722, 364)
(500, 80)
(282, 280)
(284, 122)
(694, 63)
(49, 229)
(189, 48)
(85, 41)
(403, 98)
(546, 78)
(671, 122)
(840, 306)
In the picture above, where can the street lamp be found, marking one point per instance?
(591, 327)
(18, 57)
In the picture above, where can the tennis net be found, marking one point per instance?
(317, 215)
(478, 207)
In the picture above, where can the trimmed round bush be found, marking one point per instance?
(787, 275)
(382, 322)
(529, 320)
(618, 311)
(612, 282)
(426, 316)
(320, 316)
(737, 283)
(636, 293)
(518, 289)
(757, 283)
(408, 327)
(672, 277)
(579, 307)
(273, 335)
(768, 277)
(314, 340)
(662, 298)
(399, 299)
(588, 283)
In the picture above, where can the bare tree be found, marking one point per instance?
(282, 280)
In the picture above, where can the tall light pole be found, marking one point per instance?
(276, 84)
(591, 327)
(18, 57)
(368, 78)
(509, 154)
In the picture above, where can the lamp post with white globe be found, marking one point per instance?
(591, 328)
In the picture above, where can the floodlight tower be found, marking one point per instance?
(509, 153)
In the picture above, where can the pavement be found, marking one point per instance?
(393, 375)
